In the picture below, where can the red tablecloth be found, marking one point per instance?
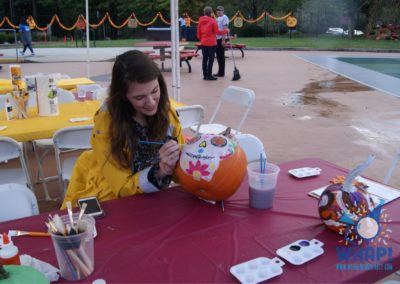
(172, 236)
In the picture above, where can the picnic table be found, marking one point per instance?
(227, 45)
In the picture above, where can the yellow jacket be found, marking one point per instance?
(97, 174)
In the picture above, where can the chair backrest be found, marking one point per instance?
(16, 201)
(11, 149)
(192, 115)
(393, 165)
(74, 137)
(252, 146)
(238, 96)
(101, 95)
(65, 96)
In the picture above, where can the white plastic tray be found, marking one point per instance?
(257, 270)
(301, 251)
(305, 172)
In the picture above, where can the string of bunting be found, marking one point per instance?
(80, 22)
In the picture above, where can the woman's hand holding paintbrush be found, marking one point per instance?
(169, 155)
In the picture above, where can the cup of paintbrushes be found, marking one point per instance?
(74, 247)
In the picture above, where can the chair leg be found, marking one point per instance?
(39, 175)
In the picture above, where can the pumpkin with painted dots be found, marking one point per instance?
(211, 166)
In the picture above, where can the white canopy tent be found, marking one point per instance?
(176, 75)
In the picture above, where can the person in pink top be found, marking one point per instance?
(206, 33)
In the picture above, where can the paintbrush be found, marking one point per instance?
(155, 143)
(17, 233)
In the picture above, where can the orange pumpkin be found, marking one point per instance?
(211, 167)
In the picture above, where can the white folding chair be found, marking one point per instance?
(393, 165)
(237, 96)
(101, 95)
(11, 149)
(65, 140)
(46, 145)
(65, 96)
(16, 201)
(189, 116)
(252, 146)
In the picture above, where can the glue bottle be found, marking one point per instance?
(9, 110)
(9, 252)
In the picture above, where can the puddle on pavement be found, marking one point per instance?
(338, 85)
(309, 94)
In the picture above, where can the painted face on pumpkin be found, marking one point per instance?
(201, 156)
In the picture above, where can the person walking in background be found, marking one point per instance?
(187, 24)
(223, 22)
(207, 31)
(26, 36)
(182, 28)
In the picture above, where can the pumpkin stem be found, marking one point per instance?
(348, 186)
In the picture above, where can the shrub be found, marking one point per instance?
(248, 30)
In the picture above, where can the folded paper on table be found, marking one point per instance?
(47, 101)
(377, 190)
(79, 119)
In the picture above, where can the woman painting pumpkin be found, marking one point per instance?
(137, 110)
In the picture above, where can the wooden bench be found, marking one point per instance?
(184, 56)
(239, 46)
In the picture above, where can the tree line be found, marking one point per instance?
(314, 16)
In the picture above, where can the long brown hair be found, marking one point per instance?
(133, 67)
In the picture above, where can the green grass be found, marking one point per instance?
(321, 42)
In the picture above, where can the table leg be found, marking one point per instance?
(162, 58)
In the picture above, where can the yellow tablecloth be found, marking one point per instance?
(69, 84)
(40, 127)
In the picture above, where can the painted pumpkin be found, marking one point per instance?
(338, 208)
(211, 167)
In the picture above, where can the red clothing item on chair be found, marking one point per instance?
(207, 30)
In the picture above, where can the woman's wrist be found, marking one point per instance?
(158, 177)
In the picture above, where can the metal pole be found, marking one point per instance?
(176, 84)
(87, 40)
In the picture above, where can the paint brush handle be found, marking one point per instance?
(38, 234)
(154, 143)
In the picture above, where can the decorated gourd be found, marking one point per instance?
(211, 167)
(345, 201)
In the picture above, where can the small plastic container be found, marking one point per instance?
(75, 253)
(257, 270)
(305, 172)
(301, 251)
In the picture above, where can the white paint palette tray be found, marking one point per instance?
(305, 172)
(257, 270)
(301, 251)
